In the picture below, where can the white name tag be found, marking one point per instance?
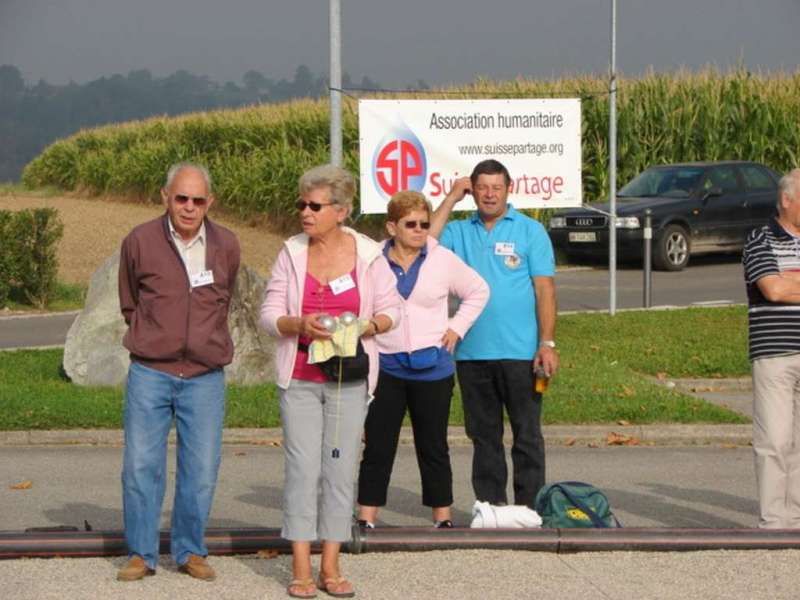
(202, 278)
(342, 284)
(504, 248)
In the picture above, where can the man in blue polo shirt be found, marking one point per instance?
(514, 335)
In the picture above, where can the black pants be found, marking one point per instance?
(486, 387)
(428, 404)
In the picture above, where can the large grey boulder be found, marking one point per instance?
(94, 355)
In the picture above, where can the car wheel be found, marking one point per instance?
(671, 252)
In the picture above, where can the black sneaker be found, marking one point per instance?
(364, 524)
(446, 524)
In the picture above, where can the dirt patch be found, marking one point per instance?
(94, 228)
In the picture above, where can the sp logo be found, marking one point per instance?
(399, 164)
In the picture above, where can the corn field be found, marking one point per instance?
(256, 154)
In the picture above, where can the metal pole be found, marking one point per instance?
(648, 258)
(336, 81)
(612, 168)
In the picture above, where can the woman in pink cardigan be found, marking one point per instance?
(416, 362)
(328, 269)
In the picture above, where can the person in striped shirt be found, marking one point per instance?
(771, 262)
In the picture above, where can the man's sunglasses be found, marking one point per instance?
(196, 200)
(300, 205)
(413, 224)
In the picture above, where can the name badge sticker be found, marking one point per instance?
(342, 284)
(202, 278)
(504, 248)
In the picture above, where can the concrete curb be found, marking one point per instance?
(556, 435)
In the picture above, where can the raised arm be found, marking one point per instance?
(461, 187)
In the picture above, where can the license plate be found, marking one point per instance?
(582, 236)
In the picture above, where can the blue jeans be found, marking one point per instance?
(152, 399)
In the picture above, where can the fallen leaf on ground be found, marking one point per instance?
(617, 439)
(240, 453)
(661, 376)
(623, 422)
(592, 445)
(23, 485)
(267, 554)
(570, 442)
(626, 392)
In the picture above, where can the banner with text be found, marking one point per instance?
(425, 145)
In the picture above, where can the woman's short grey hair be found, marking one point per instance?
(178, 167)
(340, 183)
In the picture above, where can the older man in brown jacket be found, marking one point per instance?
(176, 278)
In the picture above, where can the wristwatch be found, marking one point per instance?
(548, 343)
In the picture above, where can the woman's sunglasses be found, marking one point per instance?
(413, 224)
(300, 205)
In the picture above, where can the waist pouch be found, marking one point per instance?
(420, 360)
(353, 368)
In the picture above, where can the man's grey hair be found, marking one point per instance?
(340, 183)
(178, 167)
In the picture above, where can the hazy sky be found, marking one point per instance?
(395, 42)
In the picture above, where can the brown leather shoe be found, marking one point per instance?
(198, 567)
(134, 569)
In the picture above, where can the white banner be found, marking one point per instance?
(425, 145)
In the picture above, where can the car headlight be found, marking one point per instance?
(628, 223)
(558, 222)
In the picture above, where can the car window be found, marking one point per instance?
(757, 179)
(676, 182)
(722, 177)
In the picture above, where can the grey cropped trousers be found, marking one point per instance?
(318, 493)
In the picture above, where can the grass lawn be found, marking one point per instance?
(606, 365)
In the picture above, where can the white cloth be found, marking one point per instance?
(488, 516)
(193, 252)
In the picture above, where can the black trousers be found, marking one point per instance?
(428, 404)
(486, 387)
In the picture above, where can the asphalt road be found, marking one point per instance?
(647, 486)
(708, 281)
(658, 486)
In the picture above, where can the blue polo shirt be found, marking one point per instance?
(507, 256)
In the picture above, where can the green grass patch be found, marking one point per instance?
(67, 296)
(608, 366)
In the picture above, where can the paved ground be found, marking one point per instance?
(685, 486)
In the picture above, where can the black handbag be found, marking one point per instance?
(353, 368)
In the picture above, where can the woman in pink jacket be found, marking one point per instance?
(416, 362)
(328, 269)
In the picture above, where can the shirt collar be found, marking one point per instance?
(423, 252)
(200, 237)
(511, 214)
(778, 231)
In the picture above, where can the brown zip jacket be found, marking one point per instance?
(173, 327)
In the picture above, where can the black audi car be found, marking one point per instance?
(696, 208)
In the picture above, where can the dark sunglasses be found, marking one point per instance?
(197, 200)
(300, 205)
(413, 224)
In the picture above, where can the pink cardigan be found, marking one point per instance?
(376, 287)
(424, 319)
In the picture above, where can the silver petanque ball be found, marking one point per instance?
(328, 322)
(347, 318)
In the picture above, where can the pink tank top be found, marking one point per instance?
(320, 298)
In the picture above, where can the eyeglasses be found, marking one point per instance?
(301, 205)
(413, 224)
(196, 200)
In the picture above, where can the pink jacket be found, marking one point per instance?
(284, 295)
(424, 319)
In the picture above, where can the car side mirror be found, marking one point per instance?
(714, 191)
